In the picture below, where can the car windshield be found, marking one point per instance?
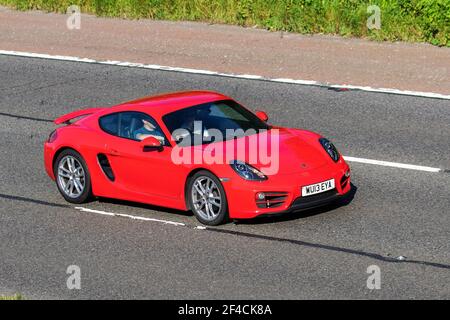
(212, 122)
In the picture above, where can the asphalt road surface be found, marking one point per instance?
(317, 254)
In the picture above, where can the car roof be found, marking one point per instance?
(162, 104)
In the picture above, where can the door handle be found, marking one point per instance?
(113, 152)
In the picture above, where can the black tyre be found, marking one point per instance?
(207, 198)
(72, 177)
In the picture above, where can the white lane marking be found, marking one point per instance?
(230, 75)
(393, 164)
(128, 216)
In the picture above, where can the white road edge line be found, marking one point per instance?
(230, 75)
(392, 164)
(129, 216)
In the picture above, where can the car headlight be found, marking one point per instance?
(330, 149)
(246, 171)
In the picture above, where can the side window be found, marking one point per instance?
(132, 125)
(110, 123)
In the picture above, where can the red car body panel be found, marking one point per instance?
(153, 178)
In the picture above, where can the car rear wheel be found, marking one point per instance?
(207, 198)
(72, 177)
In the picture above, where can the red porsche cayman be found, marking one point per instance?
(196, 150)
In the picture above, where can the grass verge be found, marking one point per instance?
(13, 297)
(401, 20)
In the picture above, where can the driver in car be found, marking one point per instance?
(148, 130)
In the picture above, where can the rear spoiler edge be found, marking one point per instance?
(67, 117)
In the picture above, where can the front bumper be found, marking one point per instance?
(286, 191)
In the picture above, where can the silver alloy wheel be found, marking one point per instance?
(71, 177)
(206, 198)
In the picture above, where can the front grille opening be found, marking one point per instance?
(272, 200)
(314, 200)
(344, 181)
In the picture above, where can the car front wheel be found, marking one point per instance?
(207, 198)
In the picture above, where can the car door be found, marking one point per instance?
(142, 173)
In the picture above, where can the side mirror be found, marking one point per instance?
(262, 115)
(151, 144)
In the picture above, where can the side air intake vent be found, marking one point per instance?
(106, 167)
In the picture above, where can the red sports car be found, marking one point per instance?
(196, 150)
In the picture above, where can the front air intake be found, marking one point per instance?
(344, 181)
(271, 199)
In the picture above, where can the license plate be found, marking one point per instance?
(317, 188)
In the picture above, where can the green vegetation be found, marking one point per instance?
(13, 297)
(404, 20)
